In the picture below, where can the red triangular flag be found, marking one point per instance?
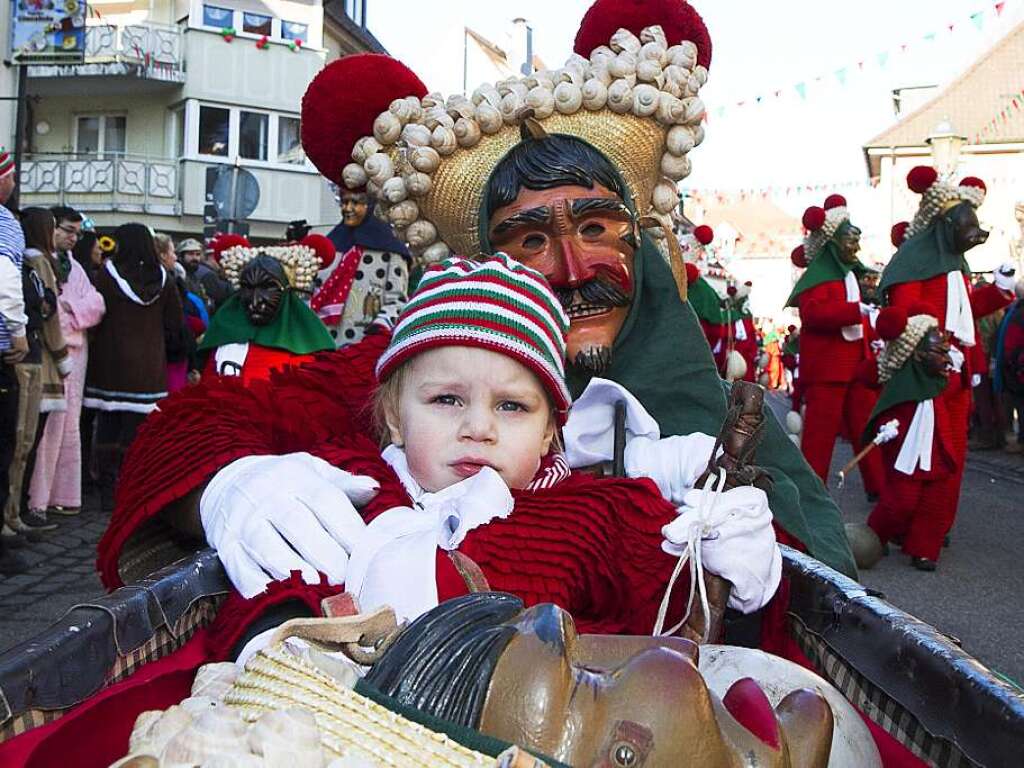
(999, 8)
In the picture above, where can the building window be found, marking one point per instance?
(291, 30)
(100, 134)
(256, 24)
(253, 130)
(289, 143)
(215, 16)
(356, 10)
(214, 123)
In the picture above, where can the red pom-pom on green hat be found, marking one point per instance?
(898, 233)
(891, 322)
(323, 247)
(704, 234)
(834, 201)
(224, 240)
(921, 177)
(973, 181)
(814, 218)
(692, 273)
(798, 257)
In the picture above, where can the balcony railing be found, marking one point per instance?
(102, 183)
(148, 50)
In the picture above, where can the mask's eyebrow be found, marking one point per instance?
(529, 216)
(587, 204)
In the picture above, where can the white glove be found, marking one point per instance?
(870, 311)
(956, 359)
(737, 543)
(270, 515)
(1005, 277)
(887, 432)
(673, 463)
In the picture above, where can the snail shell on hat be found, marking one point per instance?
(682, 55)
(436, 252)
(404, 213)
(512, 85)
(420, 234)
(373, 188)
(577, 63)
(692, 86)
(675, 167)
(417, 184)
(676, 74)
(402, 109)
(424, 159)
(432, 99)
(488, 118)
(572, 76)
(290, 731)
(511, 103)
(365, 147)
(416, 135)
(415, 109)
(671, 111)
(656, 52)
(387, 128)
(215, 732)
(568, 98)
(624, 40)
(540, 80)
(459, 105)
(694, 110)
(443, 140)
(595, 94)
(654, 34)
(154, 729)
(393, 190)
(467, 132)
(665, 197)
(353, 176)
(437, 115)
(698, 134)
(542, 101)
(701, 73)
(622, 65)
(620, 97)
(379, 168)
(486, 94)
(645, 100)
(679, 140)
(650, 72)
(602, 55)
(600, 72)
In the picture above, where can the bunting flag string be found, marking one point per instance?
(882, 59)
(1013, 104)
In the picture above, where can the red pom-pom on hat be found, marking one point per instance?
(679, 20)
(790, 328)
(704, 234)
(973, 181)
(342, 102)
(898, 233)
(692, 273)
(891, 322)
(223, 241)
(798, 257)
(834, 201)
(749, 283)
(731, 290)
(921, 177)
(324, 248)
(814, 218)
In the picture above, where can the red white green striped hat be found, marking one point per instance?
(6, 163)
(496, 304)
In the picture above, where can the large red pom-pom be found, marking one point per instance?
(692, 273)
(891, 322)
(974, 181)
(834, 201)
(704, 234)
(731, 290)
(921, 177)
(679, 20)
(790, 328)
(814, 218)
(323, 246)
(798, 257)
(898, 233)
(223, 241)
(342, 102)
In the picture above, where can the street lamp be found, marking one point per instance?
(946, 144)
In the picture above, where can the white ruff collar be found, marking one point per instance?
(127, 289)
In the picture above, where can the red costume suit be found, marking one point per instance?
(828, 367)
(931, 294)
(747, 346)
(259, 362)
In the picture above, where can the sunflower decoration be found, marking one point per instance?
(107, 244)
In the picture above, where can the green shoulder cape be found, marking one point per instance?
(910, 384)
(296, 328)
(705, 301)
(826, 267)
(925, 255)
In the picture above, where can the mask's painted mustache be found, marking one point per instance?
(594, 293)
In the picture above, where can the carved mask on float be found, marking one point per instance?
(261, 287)
(933, 353)
(964, 227)
(526, 676)
(847, 238)
(554, 214)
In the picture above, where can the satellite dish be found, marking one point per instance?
(236, 193)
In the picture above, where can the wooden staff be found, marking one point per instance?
(886, 432)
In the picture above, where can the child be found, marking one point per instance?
(919, 500)
(470, 493)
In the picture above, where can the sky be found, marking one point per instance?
(833, 64)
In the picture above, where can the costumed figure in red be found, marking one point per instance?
(741, 329)
(833, 339)
(704, 299)
(265, 325)
(919, 499)
(930, 271)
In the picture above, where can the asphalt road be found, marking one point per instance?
(977, 595)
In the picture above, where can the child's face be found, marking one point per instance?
(464, 408)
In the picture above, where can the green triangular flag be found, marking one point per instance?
(978, 19)
(801, 88)
(883, 58)
(841, 74)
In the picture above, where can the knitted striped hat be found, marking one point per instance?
(496, 304)
(6, 163)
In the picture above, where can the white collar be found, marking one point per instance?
(127, 289)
